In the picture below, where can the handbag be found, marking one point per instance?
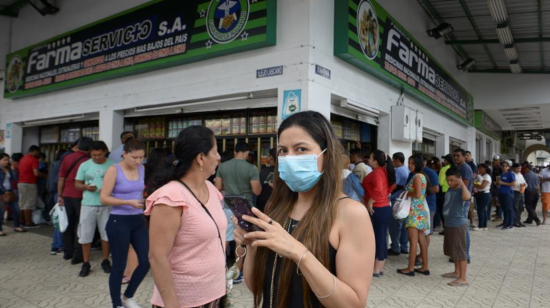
(9, 196)
(227, 300)
(402, 206)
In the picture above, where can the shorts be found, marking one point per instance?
(454, 243)
(28, 196)
(90, 217)
(545, 199)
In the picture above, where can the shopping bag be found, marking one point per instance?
(59, 218)
(37, 217)
(402, 206)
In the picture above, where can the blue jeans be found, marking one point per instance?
(468, 241)
(14, 209)
(57, 242)
(380, 220)
(483, 200)
(507, 205)
(123, 230)
(398, 234)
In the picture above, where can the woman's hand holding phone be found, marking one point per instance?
(239, 233)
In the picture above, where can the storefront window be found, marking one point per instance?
(354, 134)
(427, 147)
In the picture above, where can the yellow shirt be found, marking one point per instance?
(443, 178)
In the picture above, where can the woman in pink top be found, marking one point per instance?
(187, 253)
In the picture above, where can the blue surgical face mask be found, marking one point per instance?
(300, 172)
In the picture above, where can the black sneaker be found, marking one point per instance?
(106, 266)
(53, 252)
(85, 271)
(393, 253)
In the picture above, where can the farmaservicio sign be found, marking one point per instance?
(366, 36)
(158, 34)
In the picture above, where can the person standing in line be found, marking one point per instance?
(519, 190)
(470, 161)
(317, 249)
(266, 180)
(116, 154)
(418, 221)
(505, 194)
(454, 244)
(89, 180)
(467, 176)
(238, 177)
(398, 232)
(483, 196)
(531, 195)
(123, 187)
(351, 187)
(448, 162)
(53, 177)
(361, 170)
(27, 185)
(544, 176)
(6, 176)
(431, 195)
(14, 162)
(495, 175)
(378, 185)
(187, 226)
(71, 198)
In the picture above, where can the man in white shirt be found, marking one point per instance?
(360, 169)
(519, 199)
(544, 176)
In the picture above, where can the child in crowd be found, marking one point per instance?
(454, 244)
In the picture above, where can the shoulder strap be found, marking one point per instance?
(207, 212)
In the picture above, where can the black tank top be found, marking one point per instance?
(296, 295)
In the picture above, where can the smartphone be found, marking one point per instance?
(240, 206)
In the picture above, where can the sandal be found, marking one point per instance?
(402, 272)
(426, 272)
(125, 280)
(458, 284)
(449, 275)
(2, 234)
(20, 230)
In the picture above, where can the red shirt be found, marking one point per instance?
(26, 169)
(376, 187)
(69, 191)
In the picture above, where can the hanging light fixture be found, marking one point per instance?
(511, 52)
(43, 7)
(440, 31)
(498, 10)
(466, 65)
(504, 34)
(515, 67)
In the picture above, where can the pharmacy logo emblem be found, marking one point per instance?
(14, 76)
(368, 29)
(226, 19)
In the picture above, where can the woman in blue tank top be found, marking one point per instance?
(122, 189)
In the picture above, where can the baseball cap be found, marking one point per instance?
(496, 157)
(508, 162)
(448, 158)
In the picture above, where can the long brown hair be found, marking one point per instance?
(314, 228)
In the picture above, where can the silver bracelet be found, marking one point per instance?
(332, 292)
(300, 260)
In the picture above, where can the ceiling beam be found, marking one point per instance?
(496, 41)
(541, 46)
(437, 20)
(13, 9)
(476, 29)
(507, 71)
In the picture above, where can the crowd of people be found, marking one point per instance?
(320, 214)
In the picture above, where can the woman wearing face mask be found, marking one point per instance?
(187, 225)
(6, 177)
(122, 189)
(418, 221)
(506, 195)
(316, 246)
(378, 185)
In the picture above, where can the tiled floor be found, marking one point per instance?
(508, 269)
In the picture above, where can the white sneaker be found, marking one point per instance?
(129, 303)
(476, 229)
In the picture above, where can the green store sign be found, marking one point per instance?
(487, 125)
(367, 37)
(156, 35)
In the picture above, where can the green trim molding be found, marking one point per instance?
(367, 37)
(158, 34)
(487, 125)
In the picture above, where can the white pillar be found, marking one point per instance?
(384, 133)
(14, 138)
(111, 125)
(317, 97)
(442, 145)
(483, 149)
(471, 142)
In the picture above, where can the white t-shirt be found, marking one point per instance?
(487, 178)
(7, 183)
(519, 181)
(545, 174)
